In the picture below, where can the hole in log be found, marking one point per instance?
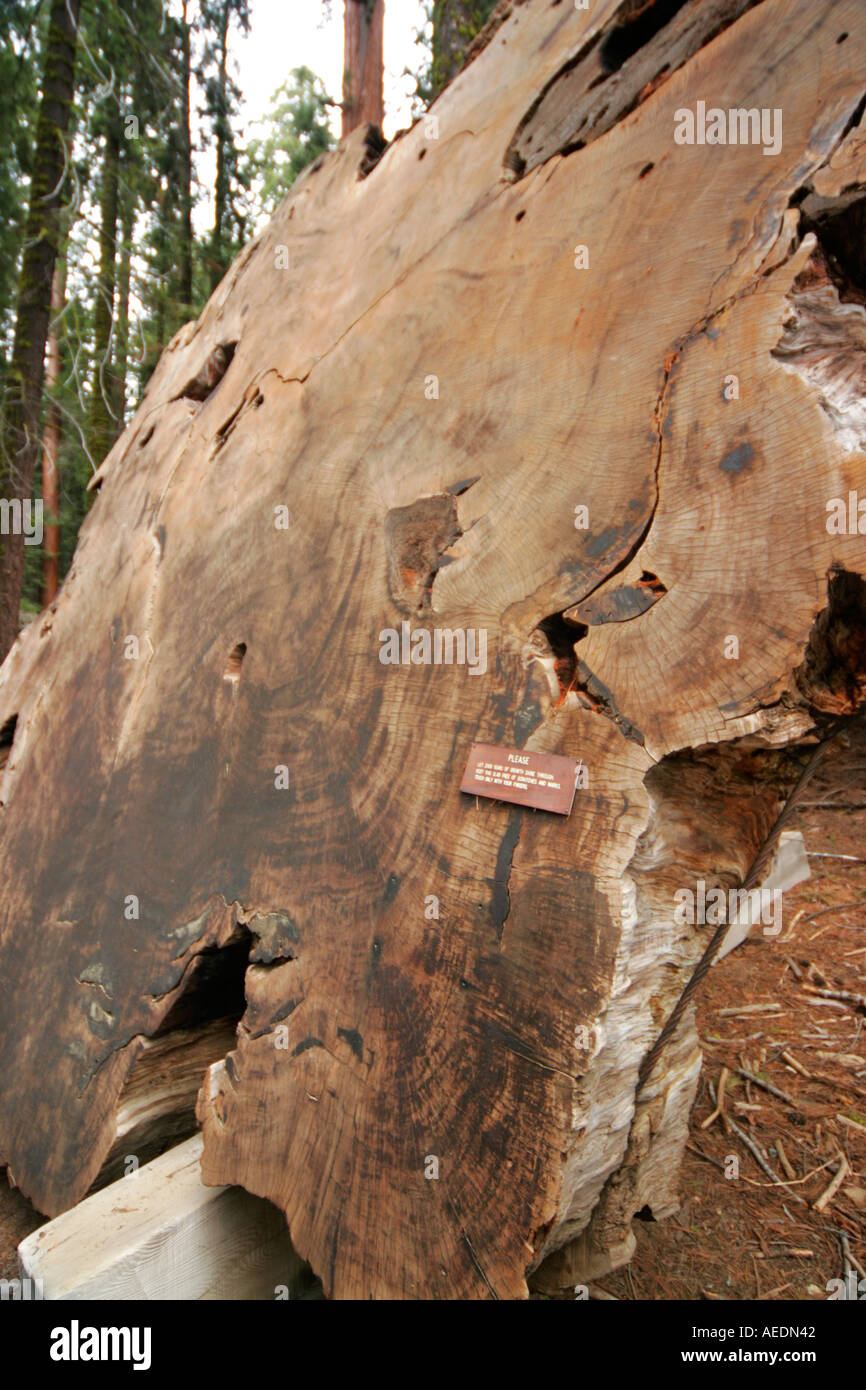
(214, 985)
(839, 225)
(375, 146)
(571, 678)
(7, 738)
(832, 676)
(653, 583)
(232, 673)
(640, 48)
(7, 732)
(636, 24)
(647, 169)
(209, 375)
(561, 637)
(824, 336)
(156, 1108)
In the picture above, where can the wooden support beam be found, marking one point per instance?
(161, 1234)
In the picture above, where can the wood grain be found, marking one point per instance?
(431, 389)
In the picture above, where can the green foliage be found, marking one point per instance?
(450, 27)
(127, 81)
(130, 79)
(19, 76)
(222, 99)
(296, 133)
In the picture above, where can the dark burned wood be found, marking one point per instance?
(417, 538)
(618, 605)
(447, 1001)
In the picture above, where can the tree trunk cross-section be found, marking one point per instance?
(593, 407)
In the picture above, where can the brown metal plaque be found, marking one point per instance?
(542, 780)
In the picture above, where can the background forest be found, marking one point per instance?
(127, 186)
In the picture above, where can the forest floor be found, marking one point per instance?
(759, 1010)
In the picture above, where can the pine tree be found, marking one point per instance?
(22, 400)
(451, 26)
(221, 102)
(296, 132)
(19, 80)
(363, 100)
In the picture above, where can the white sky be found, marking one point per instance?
(286, 34)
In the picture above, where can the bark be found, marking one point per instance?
(597, 413)
(102, 421)
(51, 439)
(23, 397)
(121, 331)
(223, 134)
(185, 279)
(363, 100)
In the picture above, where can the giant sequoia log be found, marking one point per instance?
(548, 373)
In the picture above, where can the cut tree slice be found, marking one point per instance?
(549, 418)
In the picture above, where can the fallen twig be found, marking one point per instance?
(827, 1196)
(845, 996)
(849, 1256)
(762, 1162)
(743, 1009)
(789, 1170)
(798, 1066)
(766, 1086)
(720, 1103)
(834, 907)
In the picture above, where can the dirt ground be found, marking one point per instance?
(770, 1008)
(761, 1010)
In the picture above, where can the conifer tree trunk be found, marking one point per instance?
(185, 278)
(20, 439)
(363, 101)
(217, 248)
(102, 423)
(121, 334)
(51, 439)
(455, 25)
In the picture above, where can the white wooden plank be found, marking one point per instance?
(161, 1234)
